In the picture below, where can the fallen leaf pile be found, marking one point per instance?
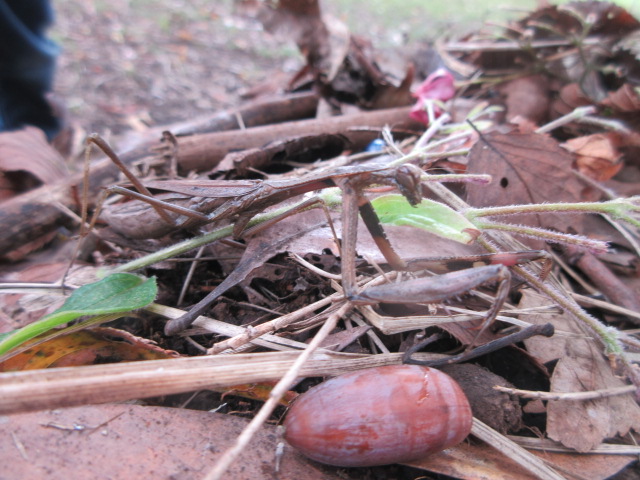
(548, 107)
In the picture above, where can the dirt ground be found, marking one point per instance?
(125, 65)
(121, 68)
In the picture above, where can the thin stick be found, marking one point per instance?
(108, 151)
(84, 212)
(117, 382)
(435, 126)
(564, 396)
(593, 302)
(313, 268)
(189, 277)
(274, 397)
(546, 445)
(270, 326)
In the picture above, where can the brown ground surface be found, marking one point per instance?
(126, 65)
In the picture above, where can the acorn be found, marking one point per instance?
(379, 416)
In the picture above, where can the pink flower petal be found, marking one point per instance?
(437, 86)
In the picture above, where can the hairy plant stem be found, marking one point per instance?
(617, 208)
(594, 246)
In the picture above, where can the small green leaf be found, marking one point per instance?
(428, 215)
(117, 293)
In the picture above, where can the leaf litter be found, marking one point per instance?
(587, 56)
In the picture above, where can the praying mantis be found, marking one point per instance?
(212, 201)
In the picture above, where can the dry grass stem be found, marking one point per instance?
(248, 335)
(515, 452)
(32, 390)
(608, 306)
(547, 445)
(313, 268)
(568, 396)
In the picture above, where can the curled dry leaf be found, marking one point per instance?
(597, 155)
(87, 347)
(574, 17)
(598, 25)
(25, 152)
(553, 32)
(626, 99)
(344, 67)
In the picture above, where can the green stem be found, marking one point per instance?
(618, 208)
(609, 336)
(196, 242)
(577, 114)
(174, 250)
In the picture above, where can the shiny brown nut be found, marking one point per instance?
(379, 416)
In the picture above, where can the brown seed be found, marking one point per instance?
(379, 416)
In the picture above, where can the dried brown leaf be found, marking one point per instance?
(86, 347)
(474, 462)
(601, 17)
(581, 367)
(597, 155)
(599, 466)
(572, 17)
(584, 425)
(482, 462)
(139, 442)
(344, 67)
(27, 150)
(527, 168)
(569, 98)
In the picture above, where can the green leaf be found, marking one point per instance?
(117, 293)
(428, 215)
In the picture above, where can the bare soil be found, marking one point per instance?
(128, 64)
